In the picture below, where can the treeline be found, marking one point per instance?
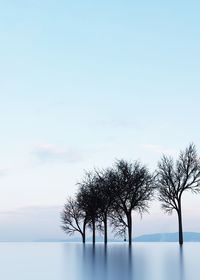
(108, 197)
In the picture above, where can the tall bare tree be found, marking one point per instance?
(88, 200)
(105, 199)
(132, 188)
(173, 178)
(73, 218)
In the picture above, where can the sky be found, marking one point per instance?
(83, 83)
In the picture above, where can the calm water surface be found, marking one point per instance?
(59, 261)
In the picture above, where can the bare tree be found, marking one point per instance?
(173, 178)
(131, 189)
(88, 200)
(73, 218)
(102, 182)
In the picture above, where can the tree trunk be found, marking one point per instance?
(105, 230)
(83, 238)
(93, 231)
(129, 221)
(180, 226)
(83, 235)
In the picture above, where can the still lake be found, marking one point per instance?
(73, 261)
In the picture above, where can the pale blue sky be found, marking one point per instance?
(85, 82)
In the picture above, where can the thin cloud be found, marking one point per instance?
(117, 123)
(158, 149)
(3, 171)
(49, 153)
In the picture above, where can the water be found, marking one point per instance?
(59, 261)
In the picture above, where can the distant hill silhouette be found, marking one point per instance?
(157, 237)
(168, 237)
